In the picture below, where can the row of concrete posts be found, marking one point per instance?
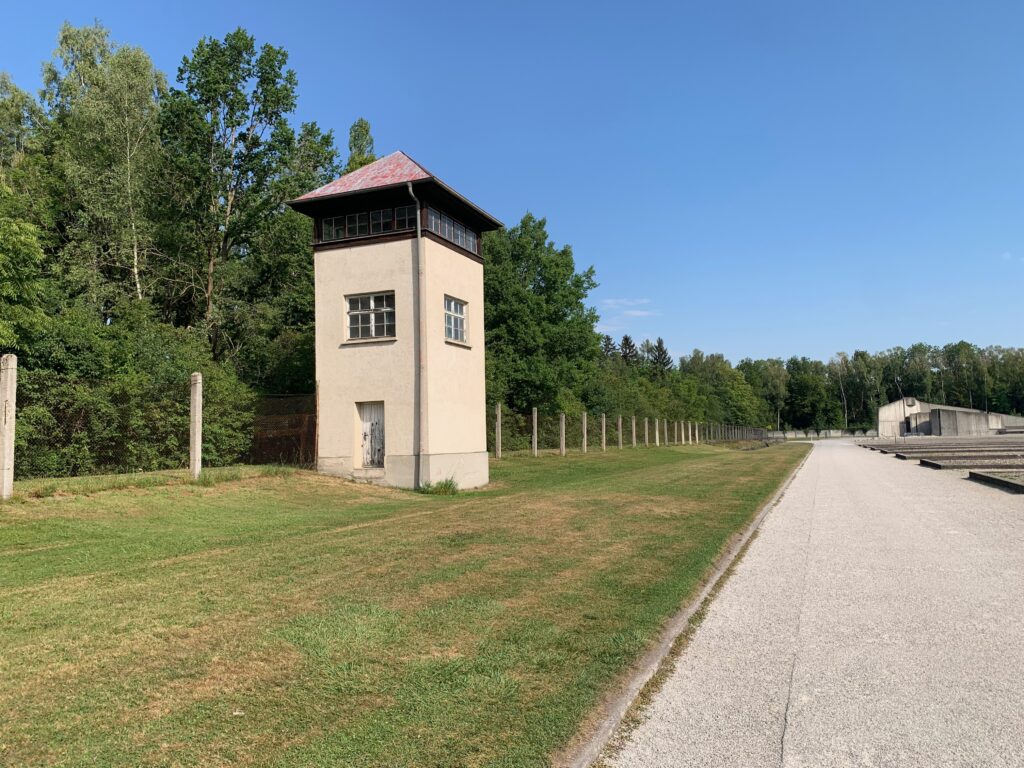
(683, 432)
(8, 408)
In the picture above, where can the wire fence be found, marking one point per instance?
(284, 431)
(70, 426)
(546, 431)
(55, 424)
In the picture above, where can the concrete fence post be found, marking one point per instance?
(657, 423)
(497, 430)
(619, 431)
(533, 445)
(634, 431)
(696, 433)
(675, 433)
(647, 433)
(664, 429)
(8, 402)
(604, 446)
(195, 423)
(584, 431)
(561, 434)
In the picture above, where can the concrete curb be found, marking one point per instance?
(613, 710)
(995, 481)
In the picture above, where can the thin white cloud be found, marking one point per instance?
(638, 313)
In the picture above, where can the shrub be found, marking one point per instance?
(110, 398)
(446, 487)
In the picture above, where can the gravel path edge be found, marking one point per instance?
(586, 749)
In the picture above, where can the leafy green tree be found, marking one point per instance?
(76, 65)
(360, 145)
(110, 153)
(768, 379)
(20, 283)
(227, 139)
(20, 120)
(727, 396)
(541, 343)
(809, 404)
(269, 318)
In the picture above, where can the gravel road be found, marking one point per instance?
(876, 620)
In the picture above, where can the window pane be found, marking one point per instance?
(364, 223)
(380, 221)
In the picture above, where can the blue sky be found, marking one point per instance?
(758, 179)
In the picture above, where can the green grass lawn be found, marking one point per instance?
(288, 619)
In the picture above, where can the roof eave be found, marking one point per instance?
(334, 196)
(305, 201)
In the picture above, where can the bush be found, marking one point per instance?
(115, 398)
(446, 487)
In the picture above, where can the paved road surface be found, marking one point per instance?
(876, 620)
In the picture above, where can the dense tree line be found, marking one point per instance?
(143, 235)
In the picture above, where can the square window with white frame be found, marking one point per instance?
(454, 319)
(371, 316)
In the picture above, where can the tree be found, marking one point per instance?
(227, 139)
(541, 344)
(768, 378)
(75, 66)
(360, 145)
(20, 285)
(110, 154)
(838, 367)
(809, 404)
(20, 119)
(269, 318)
(608, 347)
(627, 349)
(660, 360)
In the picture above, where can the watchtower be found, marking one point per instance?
(399, 327)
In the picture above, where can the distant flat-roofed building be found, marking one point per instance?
(910, 416)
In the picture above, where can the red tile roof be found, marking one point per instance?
(396, 168)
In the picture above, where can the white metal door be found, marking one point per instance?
(371, 415)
